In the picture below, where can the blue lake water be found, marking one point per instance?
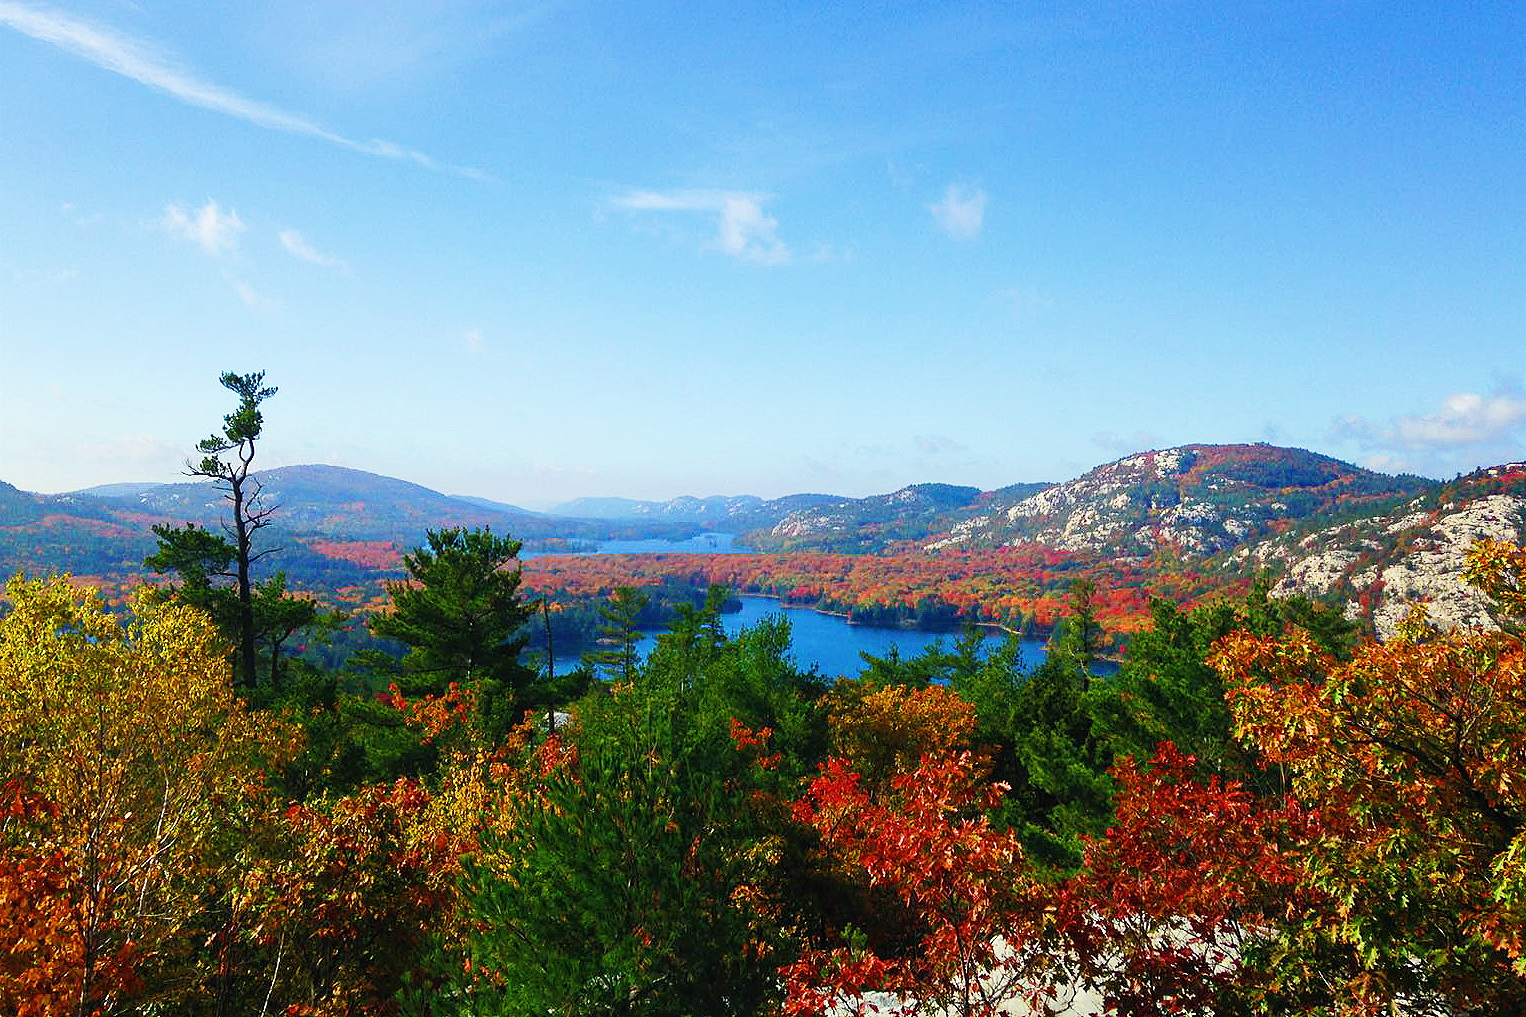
(826, 641)
(837, 648)
(704, 543)
(829, 643)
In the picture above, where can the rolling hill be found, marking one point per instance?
(1196, 517)
(1194, 499)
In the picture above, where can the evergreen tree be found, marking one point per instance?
(619, 633)
(215, 570)
(637, 874)
(1166, 689)
(462, 618)
(240, 430)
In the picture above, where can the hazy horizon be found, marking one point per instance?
(535, 505)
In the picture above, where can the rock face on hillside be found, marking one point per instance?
(1384, 565)
(909, 513)
(1196, 500)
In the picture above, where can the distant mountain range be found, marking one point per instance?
(741, 513)
(108, 529)
(1322, 527)
(332, 500)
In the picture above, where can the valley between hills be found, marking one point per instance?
(1185, 524)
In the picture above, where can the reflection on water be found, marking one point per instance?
(829, 643)
(824, 641)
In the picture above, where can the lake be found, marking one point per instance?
(837, 648)
(826, 641)
(829, 642)
(704, 543)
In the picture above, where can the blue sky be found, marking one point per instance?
(536, 251)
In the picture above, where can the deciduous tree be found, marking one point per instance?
(130, 734)
(1412, 756)
(961, 883)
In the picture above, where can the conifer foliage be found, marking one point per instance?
(721, 833)
(462, 619)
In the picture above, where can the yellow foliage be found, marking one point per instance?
(1498, 568)
(129, 727)
(887, 731)
(1411, 755)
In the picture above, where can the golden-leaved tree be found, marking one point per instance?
(1411, 759)
(134, 775)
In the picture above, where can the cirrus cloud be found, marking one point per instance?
(138, 61)
(744, 230)
(298, 247)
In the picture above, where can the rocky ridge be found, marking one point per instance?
(1380, 567)
(1195, 500)
(870, 523)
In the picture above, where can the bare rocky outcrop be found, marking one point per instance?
(1196, 500)
(905, 514)
(1386, 565)
(1432, 573)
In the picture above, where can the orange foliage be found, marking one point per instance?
(1011, 586)
(42, 956)
(373, 553)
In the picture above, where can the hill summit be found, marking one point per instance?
(1197, 499)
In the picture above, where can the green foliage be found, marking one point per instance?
(205, 557)
(750, 679)
(198, 556)
(1036, 725)
(1077, 640)
(205, 562)
(1060, 788)
(1167, 691)
(619, 632)
(634, 872)
(462, 619)
(618, 892)
(240, 428)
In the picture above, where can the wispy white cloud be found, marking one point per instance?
(255, 299)
(744, 230)
(962, 213)
(1464, 419)
(1469, 430)
(209, 226)
(134, 59)
(296, 244)
(474, 342)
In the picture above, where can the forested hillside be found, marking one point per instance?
(1184, 524)
(711, 830)
(226, 797)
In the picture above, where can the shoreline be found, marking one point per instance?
(795, 606)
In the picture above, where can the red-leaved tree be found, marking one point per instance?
(959, 881)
